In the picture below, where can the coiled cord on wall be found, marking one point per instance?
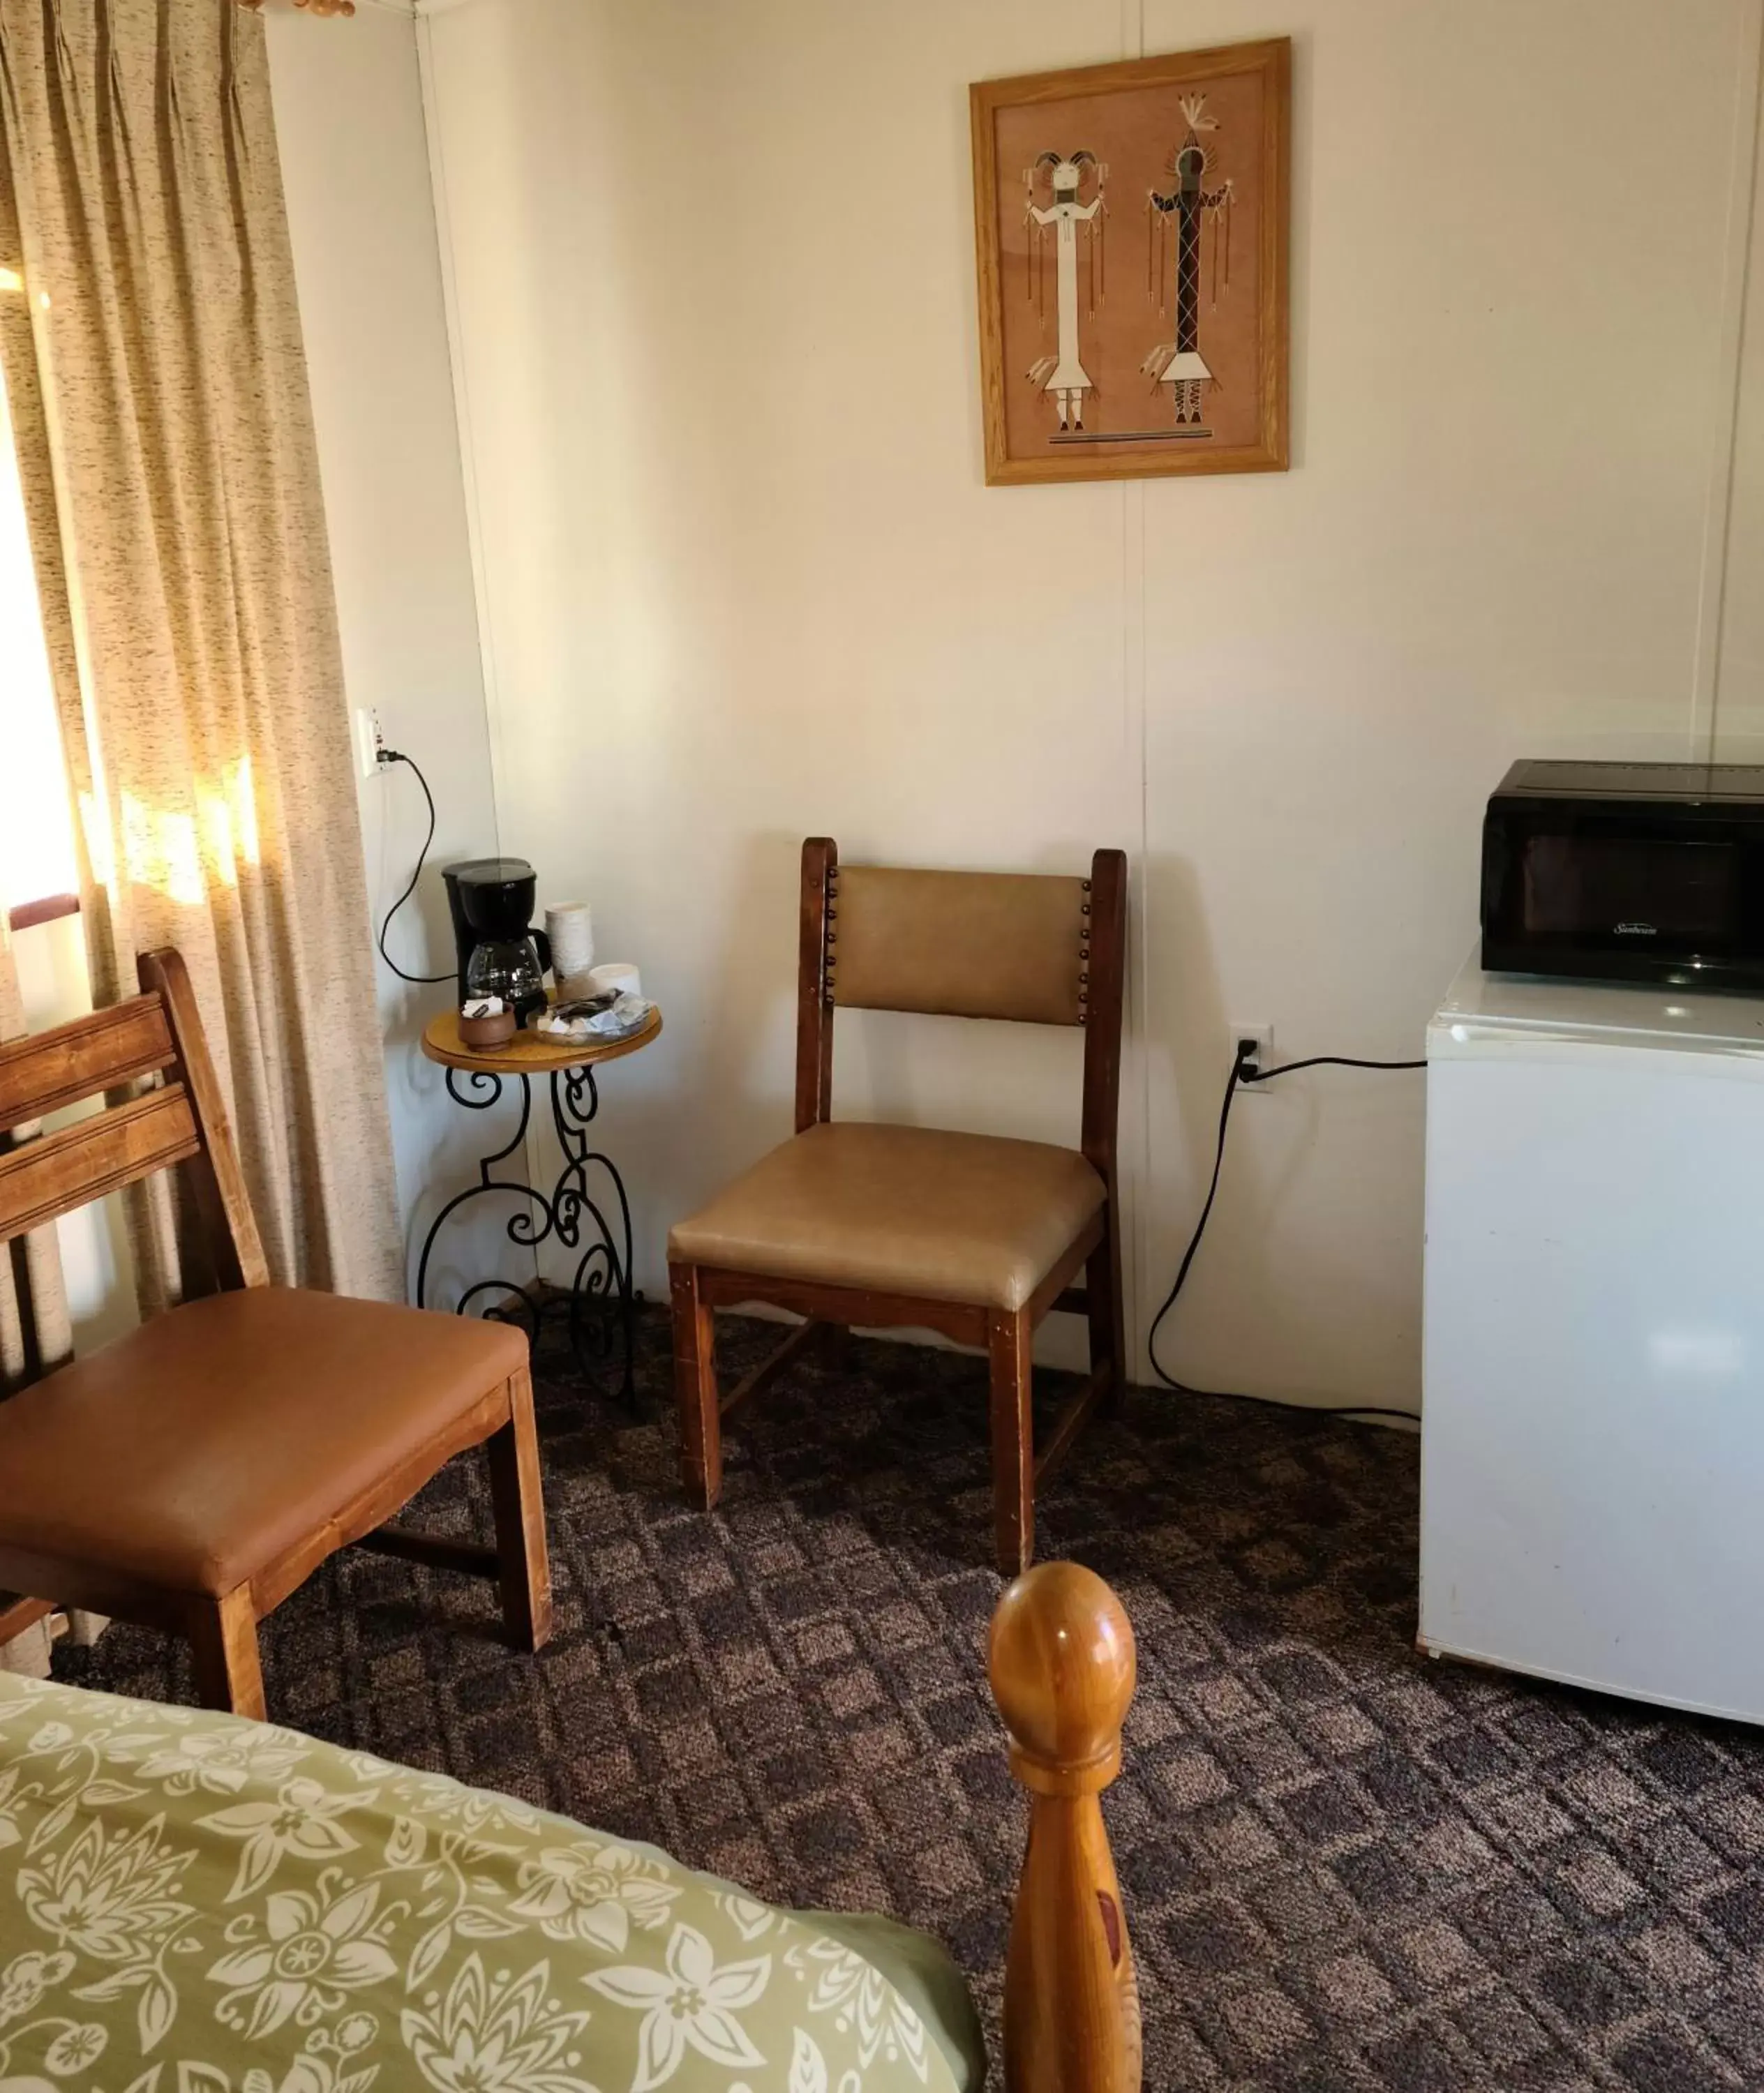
(1243, 1073)
(421, 980)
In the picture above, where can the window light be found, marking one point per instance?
(37, 842)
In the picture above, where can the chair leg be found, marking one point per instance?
(223, 1641)
(523, 1566)
(1108, 1327)
(694, 1387)
(1009, 1349)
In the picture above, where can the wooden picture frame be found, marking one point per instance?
(1140, 183)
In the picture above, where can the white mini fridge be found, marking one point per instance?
(1592, 1439)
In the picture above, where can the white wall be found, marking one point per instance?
(1512, 363)
(715, 328)
(349, 120)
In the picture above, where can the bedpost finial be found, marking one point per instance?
(1062, 1664)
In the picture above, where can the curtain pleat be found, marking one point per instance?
(34, 1332)
(165, 437)
(35, 1335)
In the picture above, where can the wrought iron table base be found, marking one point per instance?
(600, 1300)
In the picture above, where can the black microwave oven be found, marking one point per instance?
(1650, 872)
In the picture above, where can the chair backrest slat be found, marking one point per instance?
(41, 1074)
(959, 944)
(183, 1120)
(43, 1179)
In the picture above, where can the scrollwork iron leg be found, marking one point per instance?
(601, 1302)
(527, 1228)
(602, 1283)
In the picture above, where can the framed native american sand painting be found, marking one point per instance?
(1131, 229)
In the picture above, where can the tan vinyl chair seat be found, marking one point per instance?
(193, 1453)
(900, 1210)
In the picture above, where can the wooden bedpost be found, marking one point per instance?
(1061, 1659)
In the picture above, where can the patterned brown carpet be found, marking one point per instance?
(1345, 1867)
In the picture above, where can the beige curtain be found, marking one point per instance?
(34, 1335)
(164, 431)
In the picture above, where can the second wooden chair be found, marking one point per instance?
(970, 1235)
(192, 1474)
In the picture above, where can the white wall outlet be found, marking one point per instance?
(367, 742)
(1263, 1034)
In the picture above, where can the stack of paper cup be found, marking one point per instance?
(570, 930)
(616, 977)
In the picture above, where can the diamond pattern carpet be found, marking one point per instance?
(1345, 1867)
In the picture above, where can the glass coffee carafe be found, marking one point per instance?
(508, 968)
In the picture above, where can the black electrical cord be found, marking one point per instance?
(397, 756)
(1243, 1073)
(1322, 1061)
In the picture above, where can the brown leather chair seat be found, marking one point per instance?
(901, 1210)
(216, 1437)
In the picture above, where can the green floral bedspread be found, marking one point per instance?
(192, 1903)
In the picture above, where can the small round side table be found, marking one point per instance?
(600, 1292)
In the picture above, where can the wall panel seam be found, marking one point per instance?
(1136, 1184)
(1718, 509)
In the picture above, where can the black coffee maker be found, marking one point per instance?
(502, 953)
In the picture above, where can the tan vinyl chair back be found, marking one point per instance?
(959, 944)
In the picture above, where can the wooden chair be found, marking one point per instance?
(973, 1235)
(192, 1474)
